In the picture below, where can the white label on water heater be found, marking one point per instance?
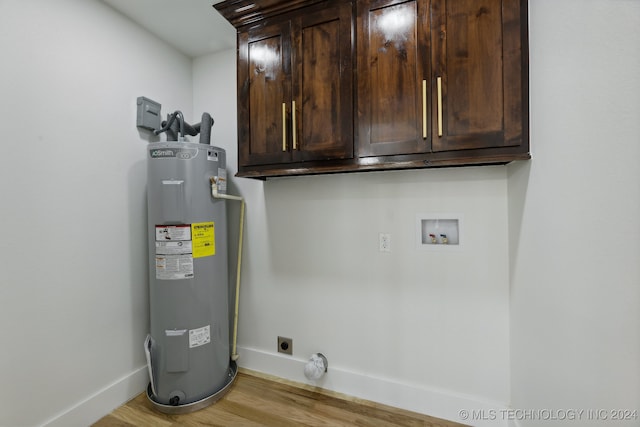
(200, 336)
(173, 248)
(173, 232)
(174, 267)
(174, 252)
(222, 180)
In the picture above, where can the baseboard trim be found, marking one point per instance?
(102, 402)
(435, 402)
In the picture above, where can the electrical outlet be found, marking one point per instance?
(285, 345)
(384, 242)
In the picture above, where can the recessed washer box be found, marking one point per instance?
(438, 231)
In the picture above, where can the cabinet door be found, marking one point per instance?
(477, 73)
(393, 77)
(264, 95)
(322, 124)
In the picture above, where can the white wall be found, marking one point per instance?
(73, 291)
(423, 330)
(574, 215)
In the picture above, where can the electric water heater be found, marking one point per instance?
(188, 345)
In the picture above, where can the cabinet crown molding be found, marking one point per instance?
(244, 12)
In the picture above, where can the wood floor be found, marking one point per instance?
(255, 400)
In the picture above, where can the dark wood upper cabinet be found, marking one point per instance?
(439, 75)
(392, 62)
(477, 72)
(338, 86)
(295, 96)
(264, 77)
(323, 84)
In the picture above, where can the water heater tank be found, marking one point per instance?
(188, 347)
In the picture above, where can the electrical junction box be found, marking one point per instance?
(148, 116)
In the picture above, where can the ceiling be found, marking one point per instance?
(193, 27)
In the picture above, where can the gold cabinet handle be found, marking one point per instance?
(284, 126)
(293, 124)
(439, 106)
(424, 109)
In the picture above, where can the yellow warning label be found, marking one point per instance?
(203, 239)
